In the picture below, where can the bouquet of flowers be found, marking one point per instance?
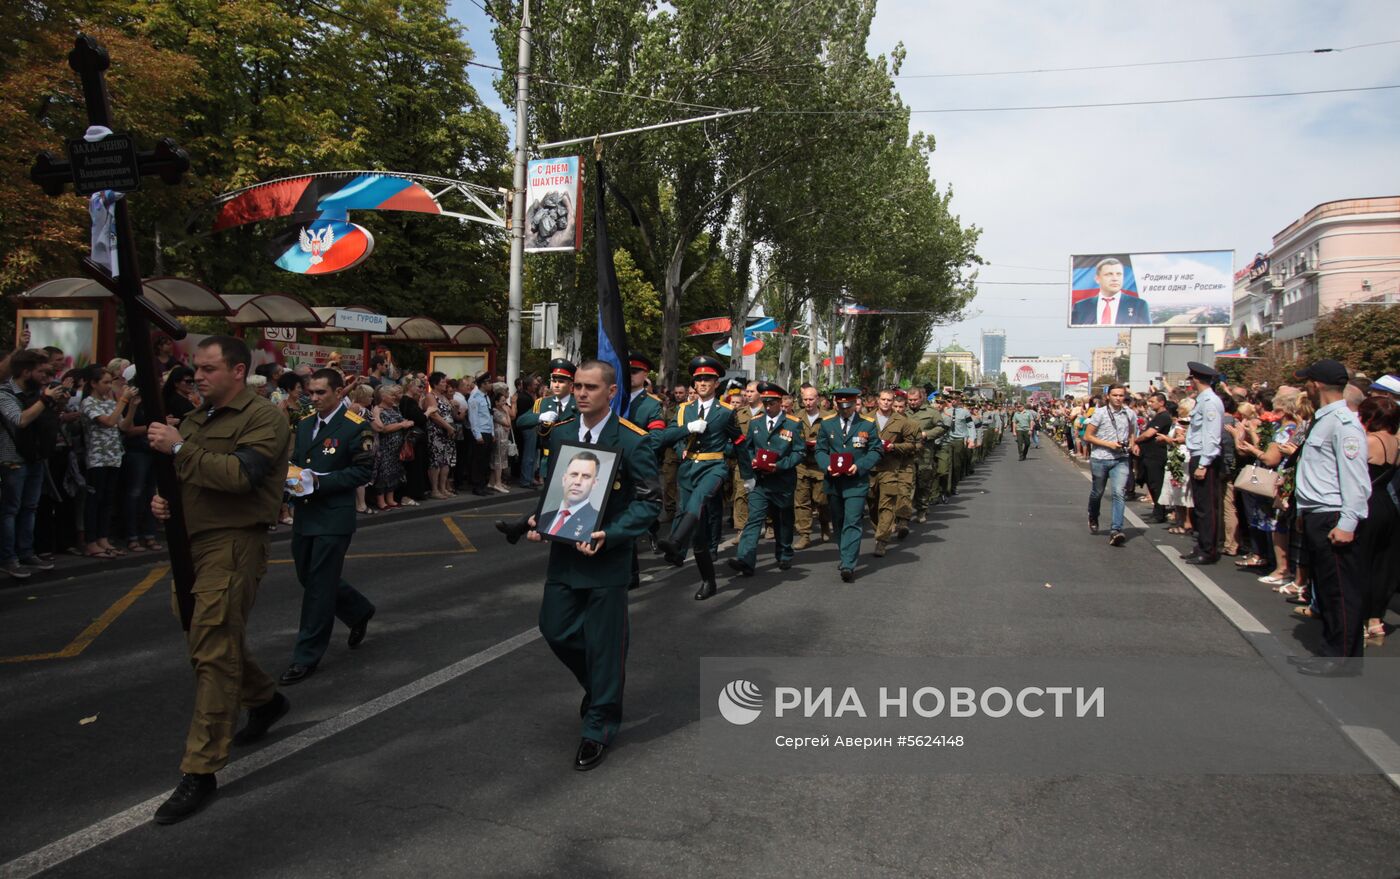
(1176, 466)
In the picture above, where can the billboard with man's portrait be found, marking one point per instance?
(1183, 288)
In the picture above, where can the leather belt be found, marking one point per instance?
(706, 456)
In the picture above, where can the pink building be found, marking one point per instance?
(1338, 253)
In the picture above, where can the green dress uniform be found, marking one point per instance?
(340, 452)
(702, 472)
(846, 495)
(771, 491)
(583, 613)
(230, 463)
(564, 406)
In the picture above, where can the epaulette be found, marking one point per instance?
(630, 426)
(657, 399)
(828, 417)
(561, 423)
(536, 408)
(311, 414)
(726, 405)
(354, 418)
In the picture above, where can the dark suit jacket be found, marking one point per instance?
(578, 527)
(1133, 310)
(344, 452)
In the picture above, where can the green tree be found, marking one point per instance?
(1364, 337)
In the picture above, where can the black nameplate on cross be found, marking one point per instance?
(113, 162)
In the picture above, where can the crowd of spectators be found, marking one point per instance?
(1263, 433)
(76, 474)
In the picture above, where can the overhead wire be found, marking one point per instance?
(1146, 63)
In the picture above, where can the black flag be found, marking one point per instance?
(612, 329)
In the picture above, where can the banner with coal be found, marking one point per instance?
(553, 200)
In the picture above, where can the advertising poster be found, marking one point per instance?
(288, 354)
(553, 200)
(1077, 384)
(1188, 288)
(1034, 373)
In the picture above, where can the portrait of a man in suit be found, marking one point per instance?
(1111, 306)
(575, 517)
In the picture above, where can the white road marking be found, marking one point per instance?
(1376, 745)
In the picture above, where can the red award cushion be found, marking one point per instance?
(765, 460)
(840, 463)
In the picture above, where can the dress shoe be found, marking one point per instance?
(879, 549)
(802, 542)
(357, 631)
(848, 575)
(1193, 554)
(1201, 561)
(743, 568)
(670, 552)
(513, 530)
(192, 794)
(261, 719)
(1326, 666)
(590, 754)
(787, 563)
(707, 590)
(295, 674)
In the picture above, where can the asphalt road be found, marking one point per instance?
(443, 746)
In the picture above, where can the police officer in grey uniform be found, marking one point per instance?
(1333, 488)
(1203, 465)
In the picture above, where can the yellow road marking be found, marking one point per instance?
(457, 533)
(99, 625)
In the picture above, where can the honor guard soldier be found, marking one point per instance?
(1203, 464)
(892, 476)
(1333, 494)
(929, 420)
(333, 455)
(811, 492)
(703, 433)
(848, 446)
(768, 460)
(643, 410)
(583, 614)
(547, 410)
(230, 458)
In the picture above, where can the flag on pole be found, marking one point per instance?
(612, 329)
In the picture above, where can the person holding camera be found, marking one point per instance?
(29, 403)
(1112, 432)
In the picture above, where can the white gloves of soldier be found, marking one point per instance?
(696, 426)
(549, 417)
(749, 484)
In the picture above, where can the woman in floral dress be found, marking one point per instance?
(442, 437)
(391, 427)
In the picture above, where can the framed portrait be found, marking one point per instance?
(72, 331)
(581, 480)
(457, 364)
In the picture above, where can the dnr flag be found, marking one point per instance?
(612, 330)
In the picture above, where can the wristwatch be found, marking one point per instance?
(175, 449)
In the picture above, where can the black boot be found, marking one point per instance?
(674, 545)
(513, 530)
(706, 566)
(193, 793)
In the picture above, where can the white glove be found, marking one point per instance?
(749, 484)
(549, 417)
(303, 486)
(697, 426)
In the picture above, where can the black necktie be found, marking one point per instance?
(771, 423)
(701, 409)
(588, 437)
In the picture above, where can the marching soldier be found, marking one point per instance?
(703, 433)
(904, 510)
(548, 410)
(848, 446)
(947, 457)
(768, 461)
(744, 403)
(892, 475)
(929, 420)
(810, 494)
(231, 461)
(643, 410)
(583, 614)
(334, 451)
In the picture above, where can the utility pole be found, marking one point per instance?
(517, 213)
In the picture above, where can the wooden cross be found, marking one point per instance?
(113, 163)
